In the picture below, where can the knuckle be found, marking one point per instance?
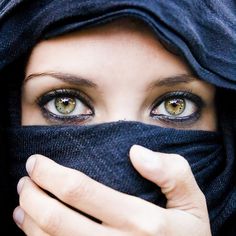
(154, 225)
(179, 172)
(75, 189)
(159, 228)
(50, 221)
(181, 166)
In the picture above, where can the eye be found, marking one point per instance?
(179, 106)
(175, 106)
(65, 104)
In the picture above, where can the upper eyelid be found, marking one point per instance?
(187, 93)
(190, 119)
(157, 101)
(73, 119)
(84, 98)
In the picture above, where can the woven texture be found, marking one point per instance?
(102, 152)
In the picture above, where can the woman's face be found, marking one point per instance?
(118, 71)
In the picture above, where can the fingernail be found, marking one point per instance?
(30, 164)
(20, 185)
(18, 216)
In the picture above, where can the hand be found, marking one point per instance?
(121, 214)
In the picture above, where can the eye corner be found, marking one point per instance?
(65, 106)
(184, 118)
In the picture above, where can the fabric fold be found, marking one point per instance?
(206, 38)
(102, 152)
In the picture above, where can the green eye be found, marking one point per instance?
(65, 105)
(180, 107)
(175, 106)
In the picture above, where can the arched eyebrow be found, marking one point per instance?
(173, 80)
(67, 78)
(80, 81)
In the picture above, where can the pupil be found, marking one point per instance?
(65, 101)
(175, 106)
(65, 105)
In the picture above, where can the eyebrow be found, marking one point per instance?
(173, 80)
(78, 80)
(68, 78)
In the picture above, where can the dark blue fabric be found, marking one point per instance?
(102, 152)
(202, 31)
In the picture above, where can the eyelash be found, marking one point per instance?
(43, 100)
(182, 94)
(71, 93)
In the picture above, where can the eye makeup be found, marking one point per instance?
(73, 117)
(175, 109)
(189, 101)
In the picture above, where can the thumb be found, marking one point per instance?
(172, 173)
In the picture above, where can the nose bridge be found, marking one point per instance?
(122, 115)
(122, 97)
(122, 109)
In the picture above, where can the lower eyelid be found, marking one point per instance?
(55, 119)
(179, 122)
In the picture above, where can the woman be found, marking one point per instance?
(70, 80)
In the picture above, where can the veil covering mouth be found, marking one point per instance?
(202, 32)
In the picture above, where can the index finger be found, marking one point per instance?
(87, 195)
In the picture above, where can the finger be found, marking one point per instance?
(172, 174)
(26, 223)
(83, 193)
(53, 217)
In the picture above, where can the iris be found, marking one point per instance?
(65, 105)
(175, 106)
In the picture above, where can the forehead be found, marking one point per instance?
(123, 48)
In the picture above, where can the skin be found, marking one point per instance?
(127, 70)
(124, 61)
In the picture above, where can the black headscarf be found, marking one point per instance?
(202, 32)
